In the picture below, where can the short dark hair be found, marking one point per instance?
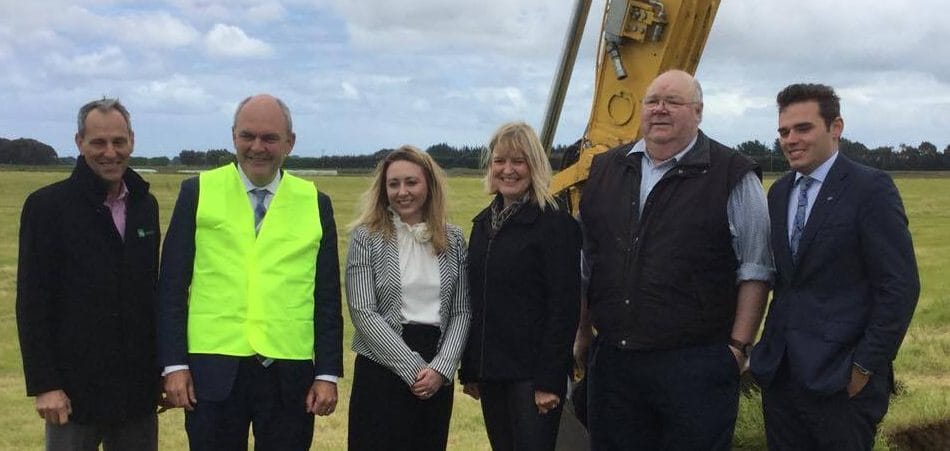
(829, 105)
(103, 105)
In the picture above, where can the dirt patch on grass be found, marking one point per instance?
(924, 437)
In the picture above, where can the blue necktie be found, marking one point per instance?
(799, 225)
(259, 209)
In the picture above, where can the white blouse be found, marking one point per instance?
(419, 274)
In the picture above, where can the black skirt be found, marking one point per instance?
(385, 415)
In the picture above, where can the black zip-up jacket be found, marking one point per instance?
(665, 279)
(86, 298)
(525, 296)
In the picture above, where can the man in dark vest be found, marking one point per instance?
(86, 294)
(678, 268)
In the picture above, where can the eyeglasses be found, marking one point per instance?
(669, 104)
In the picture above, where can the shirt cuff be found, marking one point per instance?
(327, 377)
(862, 369)
(754, 271)
(172, 368)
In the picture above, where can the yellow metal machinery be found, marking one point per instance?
(640, 40)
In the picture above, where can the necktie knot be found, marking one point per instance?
(805, 182)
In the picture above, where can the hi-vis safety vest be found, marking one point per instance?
(253, 294)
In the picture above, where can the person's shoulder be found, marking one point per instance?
(783, 180)
(560, 218)
(616, 152)
(859, 172)
(52, 192)
(324, 201)
(452, 229)
(190, 184)
(361, 232)
(861, 169)
(455, 239)
(454, 232)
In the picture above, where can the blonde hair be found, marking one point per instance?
(520, 137)
(375, 214)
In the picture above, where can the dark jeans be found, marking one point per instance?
(796, 418)
(385, 415)
(137, 434)
(677, 399)
(512, 419)
(255, 398)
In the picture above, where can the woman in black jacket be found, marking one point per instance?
(524, 278)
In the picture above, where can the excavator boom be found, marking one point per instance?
(639, 40)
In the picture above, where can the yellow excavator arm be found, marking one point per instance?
(639, 40)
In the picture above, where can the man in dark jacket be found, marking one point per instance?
(85, 294)
(676, 242)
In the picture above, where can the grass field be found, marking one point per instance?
(922, 367)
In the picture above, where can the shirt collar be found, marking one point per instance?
(821, 172)
(250, 186)
(641, 147)
(123, 193)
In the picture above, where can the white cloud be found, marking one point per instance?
(152, 30)
(178, 91)
(349, 91)
(110, 62)
(426, 71)
(234, 10)
(502, 25)
(506, 101)
(265, 12)
(231, 41)
(421, 105)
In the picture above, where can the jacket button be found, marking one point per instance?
(623, 342)
(626, 301)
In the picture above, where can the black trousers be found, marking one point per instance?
(137, 433)
(796, 418)
(255, 398)
(512, 419)
(385, 415)
(677, 399)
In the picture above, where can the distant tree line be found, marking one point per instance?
(925, 156)
(26, 151)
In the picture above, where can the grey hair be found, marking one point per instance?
(280, 103)
(699, 91)
(103, 105)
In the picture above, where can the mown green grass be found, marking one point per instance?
(922, 366)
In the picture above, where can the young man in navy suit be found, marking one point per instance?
(845, 288)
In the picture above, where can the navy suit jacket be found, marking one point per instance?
(213, 375)
(850, 296)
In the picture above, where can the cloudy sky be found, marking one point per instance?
(360, 75)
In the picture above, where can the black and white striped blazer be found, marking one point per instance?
(374, 296)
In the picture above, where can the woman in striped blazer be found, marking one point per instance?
(408, 300)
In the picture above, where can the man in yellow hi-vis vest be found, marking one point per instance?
(250, 329)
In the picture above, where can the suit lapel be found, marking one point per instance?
(779, 214)
(824, 203)
(390, 286)
(445, 275)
